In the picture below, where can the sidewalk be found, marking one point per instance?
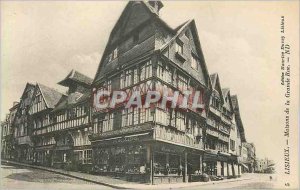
(118, 183)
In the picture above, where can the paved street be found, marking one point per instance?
(13, 177)
(257, 181)
(23, 178)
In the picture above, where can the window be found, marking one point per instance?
(142, 115)
(110, 57)
(109, 86)
(180, 123)
(111, 121)
(107, 122)
(232, 145)
(128, 79)
(130, 114)
(187, 34)
(87, 156)
(146, 71)
(135, 115)
(135, 76)
(179, 47)
(163, 72)
(113, 55)
(98, 124)
(182, 82)
(195, 63)
(162, 116)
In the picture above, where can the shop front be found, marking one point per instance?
(43, 155)
(174, 163)
(218, 164)
(140, 158)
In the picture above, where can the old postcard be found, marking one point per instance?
(149, 94)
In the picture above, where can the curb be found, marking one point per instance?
(191, 185)
(62, 173)
(106, 184)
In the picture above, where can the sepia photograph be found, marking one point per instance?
(149, 94)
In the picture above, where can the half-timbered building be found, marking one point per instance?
(143, 53)
(155, 144)
(43, 102)
(217, 132)
(22, 130)
(71, 123)
(238, 137)
(8, 141)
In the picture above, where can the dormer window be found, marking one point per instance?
(179, 47)
(195, 63)
(187, 34)
(113, 55)
(179, 51)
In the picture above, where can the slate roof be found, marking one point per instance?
(237, 114)
(72, 99)
(213, 79)
(234, 101)
(28, 86)
(51, 96)
(76, 76)
(178, 31)
(225, 91)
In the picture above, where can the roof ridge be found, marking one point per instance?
(51, 88)
(185, 24)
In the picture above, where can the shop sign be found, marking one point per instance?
(125, 139)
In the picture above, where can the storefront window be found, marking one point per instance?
(127, 159)
(167, 164)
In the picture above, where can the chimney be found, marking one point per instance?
(156, 5)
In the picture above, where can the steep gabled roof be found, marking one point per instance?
(77, 77)
(238, 117)
(50, 95)
(213, 79)
(215, 83)
(178, 31)
(226, 93)
(124, 15)
(28, 85)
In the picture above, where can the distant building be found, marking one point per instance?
(249, 157)
(22, 130)
(265, 166)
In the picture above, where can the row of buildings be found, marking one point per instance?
(155, 144)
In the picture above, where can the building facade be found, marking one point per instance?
(61, 123)
(264, 166)
(22, 131)
(249, 157)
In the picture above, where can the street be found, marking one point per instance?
(257, 181)
(16, 177)
(13, 177)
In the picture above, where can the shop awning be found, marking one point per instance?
(47, 147)
(245, 166)
(63, 148)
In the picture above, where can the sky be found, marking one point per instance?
(42, 41)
